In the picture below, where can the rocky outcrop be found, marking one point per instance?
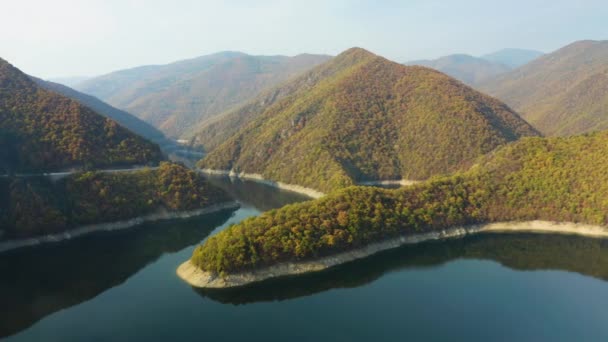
(112, 226)
(199, 278)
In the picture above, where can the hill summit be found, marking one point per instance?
(361, 117)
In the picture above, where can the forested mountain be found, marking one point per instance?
(177, 96)
(129, 121)
(513, 58)
(34, 206)
(361, 117)
(215, 131)
(468, 69)
(553, 179)
(561, 93)
(42, 130)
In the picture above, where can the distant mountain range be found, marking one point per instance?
(42, 130)
(179, 96)
(361, 117)
(69, 81)
(513, 58)
(562, 93)
(475, 70)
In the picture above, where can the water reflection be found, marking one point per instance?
(521, 251)
(260, 196)
(39, 281)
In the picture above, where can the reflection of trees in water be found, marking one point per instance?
(260, 196)
(39, 281)
(521, 251)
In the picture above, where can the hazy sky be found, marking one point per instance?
(51, 38)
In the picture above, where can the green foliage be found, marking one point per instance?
(46, 131)
(125, 119)
(361, 117)
(557, 179)
(37, 206)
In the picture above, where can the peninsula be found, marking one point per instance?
(556, 185)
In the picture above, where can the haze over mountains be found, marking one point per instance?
(475, 70)
(513, 58)
(177, 96)
(362, 117)
(69, 81)
(562, 93)
(42, 130)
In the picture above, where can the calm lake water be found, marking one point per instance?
(123, 287)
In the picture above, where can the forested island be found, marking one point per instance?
(549, 179)
(32, 207)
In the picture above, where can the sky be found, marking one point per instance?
(62, 38)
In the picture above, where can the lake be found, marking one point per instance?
(122, 287)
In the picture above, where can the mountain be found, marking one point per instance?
(69, 81)
(361, 117)
(468, 69)
(549, 179)
(513, 58)
(213, 132)
(177, 96)
(43, 130)
(561, 93)
(129, 121)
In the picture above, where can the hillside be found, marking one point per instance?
(561, 93)
(177, 96)
(42, 130)
(551, 179)
(513, 58)
(361, 117)
(35, 206)
(125, 119)
(213, 132)
(468, 69)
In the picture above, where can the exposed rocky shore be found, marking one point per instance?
(112, 226)
(312, 193)
(199, 278)
(401, 182)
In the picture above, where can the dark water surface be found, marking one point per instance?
(123, 287)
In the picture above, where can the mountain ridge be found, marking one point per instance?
(563, 92)
(127, 120)
(43, 130)
(176, 96)
(371, 119)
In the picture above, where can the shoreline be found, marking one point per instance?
(312, 193)
(401, 182)
(203, 279)
(79, 231)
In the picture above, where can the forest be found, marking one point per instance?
(33, 206)
(554, 179)
(368, 119)
(43, 131)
